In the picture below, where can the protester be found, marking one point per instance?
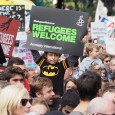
(111, 66)
(100, 106)
(14, 75)
(39, 106)
(93, 53)
(109, 92)
(52, 69)
(16, 61)
(69, 101)
(70, 83)
(68, 73)
(42, 88)
(105, 60)
(31, 74)
(89, 86)
(14, 100)
(104, 74)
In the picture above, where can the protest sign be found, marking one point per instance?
(25, 54)
(8, 31)
(15, 12)
(110, 46)
(98, 30)
(57, 30)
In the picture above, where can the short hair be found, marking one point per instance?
(10, 98)
(15, 60)
(88, 85)
(70, 98)
(90, 47)
(38, 84)
(108, 87)
(11, 71)
(40, 101)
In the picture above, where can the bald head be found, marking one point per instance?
(100, 105)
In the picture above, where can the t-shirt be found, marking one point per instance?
(54, 72)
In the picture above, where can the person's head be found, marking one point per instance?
(69, 101)
(40, 106)
(55, 112)
(104, 74)
(109, 92)
(92, 50)
(14, 75)
(31, 74)
(95, 67)
(106, 85)
(68, 73)
(112, 64)
(70, 83)
(113, 76)
(16, 61)
(100, 106)
(14, 100)
(52, 58)
(42, 88)
(105, 59)
(89, 85)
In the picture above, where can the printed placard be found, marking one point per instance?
(98, 30)
(15, 12)
(57, 30)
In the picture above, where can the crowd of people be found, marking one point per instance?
(72, 85)
(56, 89)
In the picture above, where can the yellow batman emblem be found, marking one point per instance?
(50, 70)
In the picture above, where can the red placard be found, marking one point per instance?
(8, 32)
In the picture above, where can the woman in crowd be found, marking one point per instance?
(14, 100)
(70, 83)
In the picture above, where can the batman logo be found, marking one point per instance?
(50, 70)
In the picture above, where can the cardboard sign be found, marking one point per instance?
(98, 30)
(8, 31)
(15, 12)
(110, 46)
(25, 54)
(56, 30)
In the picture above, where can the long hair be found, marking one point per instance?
(10, 98)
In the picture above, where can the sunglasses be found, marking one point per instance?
(107, 61)
(25, 101)
(21, 80)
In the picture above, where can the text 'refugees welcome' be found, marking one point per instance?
(54, 33)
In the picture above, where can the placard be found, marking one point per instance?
(57, 30)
